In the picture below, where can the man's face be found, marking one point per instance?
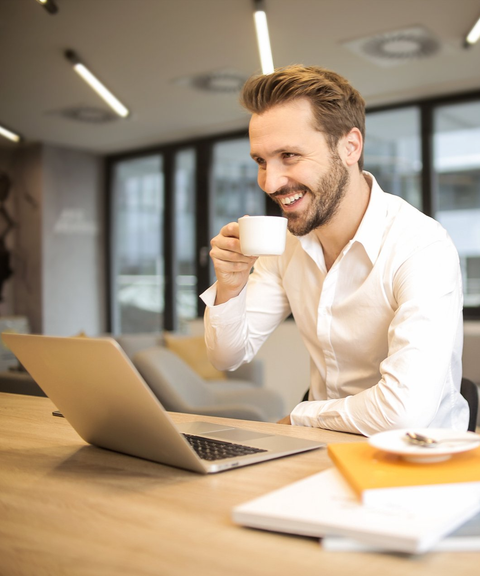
(296, 167)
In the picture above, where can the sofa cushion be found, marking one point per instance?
(193, 351)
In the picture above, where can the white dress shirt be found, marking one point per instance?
(383, 326)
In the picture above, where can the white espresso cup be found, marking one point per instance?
(262, 235)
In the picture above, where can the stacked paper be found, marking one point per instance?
(464, 539)
(376, 503)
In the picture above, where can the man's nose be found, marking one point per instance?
(272, 179)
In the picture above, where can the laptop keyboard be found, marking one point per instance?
(209, 449)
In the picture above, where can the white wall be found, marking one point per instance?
(58, 244)
(73, 231)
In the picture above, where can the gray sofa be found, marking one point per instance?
(239, 394)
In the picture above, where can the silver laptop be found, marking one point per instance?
(99, 391)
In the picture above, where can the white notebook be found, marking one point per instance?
(464, 539)
(324, 505)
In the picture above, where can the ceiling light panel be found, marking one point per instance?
(96, 85)
(263, 37)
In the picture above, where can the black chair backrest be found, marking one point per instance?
(468, 390)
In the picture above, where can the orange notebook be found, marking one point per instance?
(377, 477)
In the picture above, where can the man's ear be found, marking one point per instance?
(352, 147)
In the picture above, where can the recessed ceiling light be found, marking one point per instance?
(220, 81)
(87, 114)
(396, 47)
(401, 47)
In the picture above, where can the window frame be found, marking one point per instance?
(203, 148)
(427, 107)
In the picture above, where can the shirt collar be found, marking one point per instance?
(369, 234)
(372, 227)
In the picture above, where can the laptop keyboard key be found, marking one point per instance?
(209, 449)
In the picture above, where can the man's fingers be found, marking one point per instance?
(230, 230)
(226, 243)
(231, 261)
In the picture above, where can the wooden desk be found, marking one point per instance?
(67, 508)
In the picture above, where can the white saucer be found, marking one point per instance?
(394, 442)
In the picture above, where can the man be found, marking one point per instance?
(374, 285)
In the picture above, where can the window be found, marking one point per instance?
(167, 205)
(457, 186)
(234, 189)
(392, 152)
(137, 256)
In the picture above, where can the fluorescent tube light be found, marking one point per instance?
(96, 85)
(473, 35)
(263, 38)
(9, 134)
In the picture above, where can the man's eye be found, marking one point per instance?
(260, 161)
(289, 155)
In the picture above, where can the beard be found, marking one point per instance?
(326, 199)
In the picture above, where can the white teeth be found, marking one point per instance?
(291, 199)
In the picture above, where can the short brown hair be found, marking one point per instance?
(336, 105)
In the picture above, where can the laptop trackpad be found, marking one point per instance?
(237, 435)
(200, 427)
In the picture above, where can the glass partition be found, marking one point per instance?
(234, 188)
(456, 193)
(234, 191)
(213, 181)
(137, 246)
(393, 152)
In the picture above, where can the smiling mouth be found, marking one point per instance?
(292, 199)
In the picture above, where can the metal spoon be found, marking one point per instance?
(427, 442)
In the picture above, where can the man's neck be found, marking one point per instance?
(335, 235)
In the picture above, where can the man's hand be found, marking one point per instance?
(232, 268)
(285, 420)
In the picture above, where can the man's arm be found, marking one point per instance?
(235, 329)
(419, 376)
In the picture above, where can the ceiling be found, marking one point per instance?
(144, 49)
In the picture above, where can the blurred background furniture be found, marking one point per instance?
(180, 389)
(469, 391)
(177, 369)
(282, 364)
(193, 351)
(183, 386)
(19, 381)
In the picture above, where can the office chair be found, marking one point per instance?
(468, 390)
